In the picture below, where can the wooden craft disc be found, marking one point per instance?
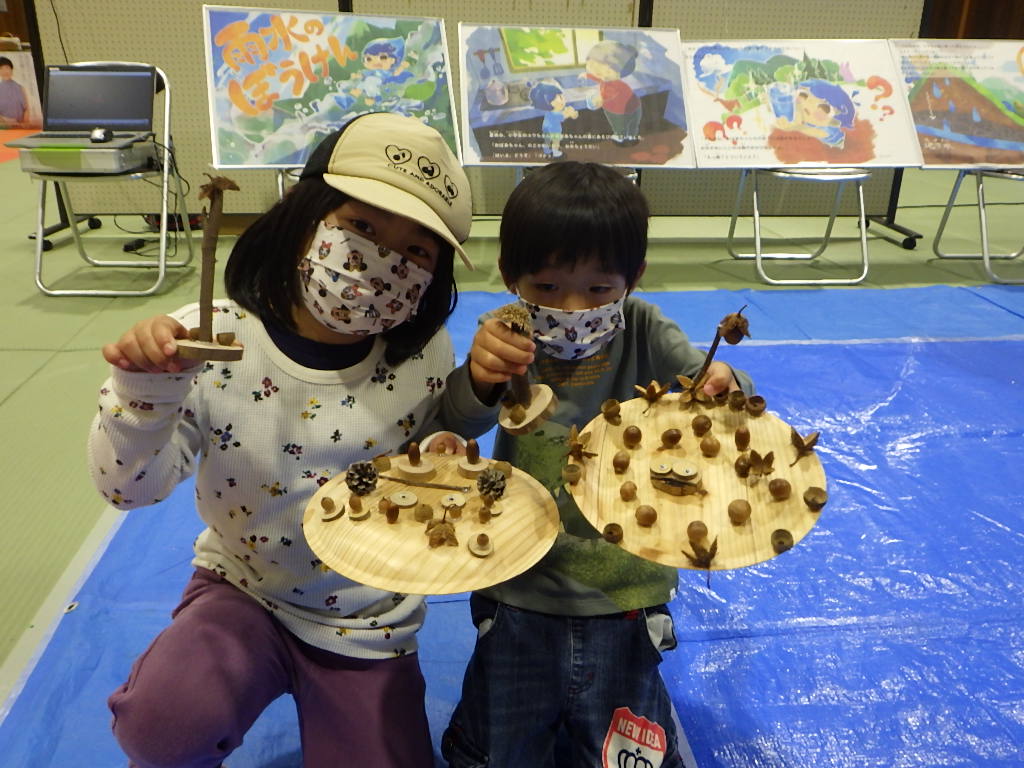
(543, 402)
(471, 471)
(397, 557)
(191, 349)
(404, 498)
(425, 470)
(598, 497)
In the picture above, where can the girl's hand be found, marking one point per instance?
(150, 347)
(719, 378)
(497, 353)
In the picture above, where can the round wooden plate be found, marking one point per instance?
(597, 493)
(397, 556)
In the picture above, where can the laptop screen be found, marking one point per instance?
(83, 98)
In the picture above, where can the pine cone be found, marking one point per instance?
(361, 478)
(491, 483)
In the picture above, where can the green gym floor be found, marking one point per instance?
(54, 524)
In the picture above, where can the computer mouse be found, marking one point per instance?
(99, 135)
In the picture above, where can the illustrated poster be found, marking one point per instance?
(530, 95)
(773, 103)
(966, 99)
(280, 81)
(19, 92)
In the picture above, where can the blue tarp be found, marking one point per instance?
(892, 635)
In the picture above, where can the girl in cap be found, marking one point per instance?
(339, 295)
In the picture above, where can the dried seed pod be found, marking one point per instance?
(779, 489)
(423, 513)
(611, 410)
(700, 425)
(734, 327)
(696, 531)
(414, 454)
(517, 414)
(361, 477)
(612, 533)
(742, 466)
(670, 438)
(742, 438)
(472, 451)
(781, 540)
(485, 513)
(756, 405)
(441, 534)
(504, 467)
(620, 462)
(737, 400)
(226, 338)
(480, 545)
(571, 473)
(739, 511)
(815, 498)
(720, 398)
(646, 515)
(710, 446)
(381, 463)
(627, 492)
(631, 436)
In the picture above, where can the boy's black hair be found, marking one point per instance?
(5, 60)
(566, 212)
(262, 272)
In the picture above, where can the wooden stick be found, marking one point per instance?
(421, 484)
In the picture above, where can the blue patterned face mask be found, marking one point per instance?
(352, 285)
(577, 334)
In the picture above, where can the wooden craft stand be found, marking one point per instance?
(597, 492)
(396, 556)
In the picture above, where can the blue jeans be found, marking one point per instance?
(538, 684)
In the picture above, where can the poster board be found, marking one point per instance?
(530, 95)
(966, 99)
(279, 81)
(19, 93)
(813, 103)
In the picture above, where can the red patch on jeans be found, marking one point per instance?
(633, 742)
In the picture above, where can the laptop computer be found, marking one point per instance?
(78, 99)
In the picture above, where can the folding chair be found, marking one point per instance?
(838, 176)
(167, 169)
(986, 256)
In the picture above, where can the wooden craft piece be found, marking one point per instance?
(684, 485)
(525, 406)
(201, 344)
(414, 465)
(471, 464)
(398, 556)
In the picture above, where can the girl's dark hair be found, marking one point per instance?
(566, 212)
(262, 272)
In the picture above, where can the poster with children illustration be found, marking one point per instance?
(966, 100)
(530, 95)
(279, 81)
(772, 103)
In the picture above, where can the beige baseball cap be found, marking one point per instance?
(399, 164)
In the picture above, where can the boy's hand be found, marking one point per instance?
(719, 378)
(497, 353)
(150, 347)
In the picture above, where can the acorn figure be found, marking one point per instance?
(361, 478)
(414, 465)
(470, 465)
(525, 406)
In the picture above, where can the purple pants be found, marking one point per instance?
(193, 694)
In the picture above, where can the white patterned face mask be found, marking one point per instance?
(577, 334)
(352, 285)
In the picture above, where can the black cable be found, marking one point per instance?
(60, 37)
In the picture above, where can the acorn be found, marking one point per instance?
(627, 492)
(517, 414)
(670, 438)
(327, 503)
(620, 462)
(355, 503)
(612, 533)
(739, 511)
(504, 467)
(381, 463)
(737, 401)
(779, 489)
(696, 531)
(391, 511)
(781, 540)
(571, 473)
(742, 438)
(710, 446)
(720, 398)
(756, 405)
(472, 451)
(414, 454)
(631, 436)
(480, 545)
(645, 516)
(815, 498)
(611, 410)
(423, 513)
(700, 425)
(226, 338)
(742, 466)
